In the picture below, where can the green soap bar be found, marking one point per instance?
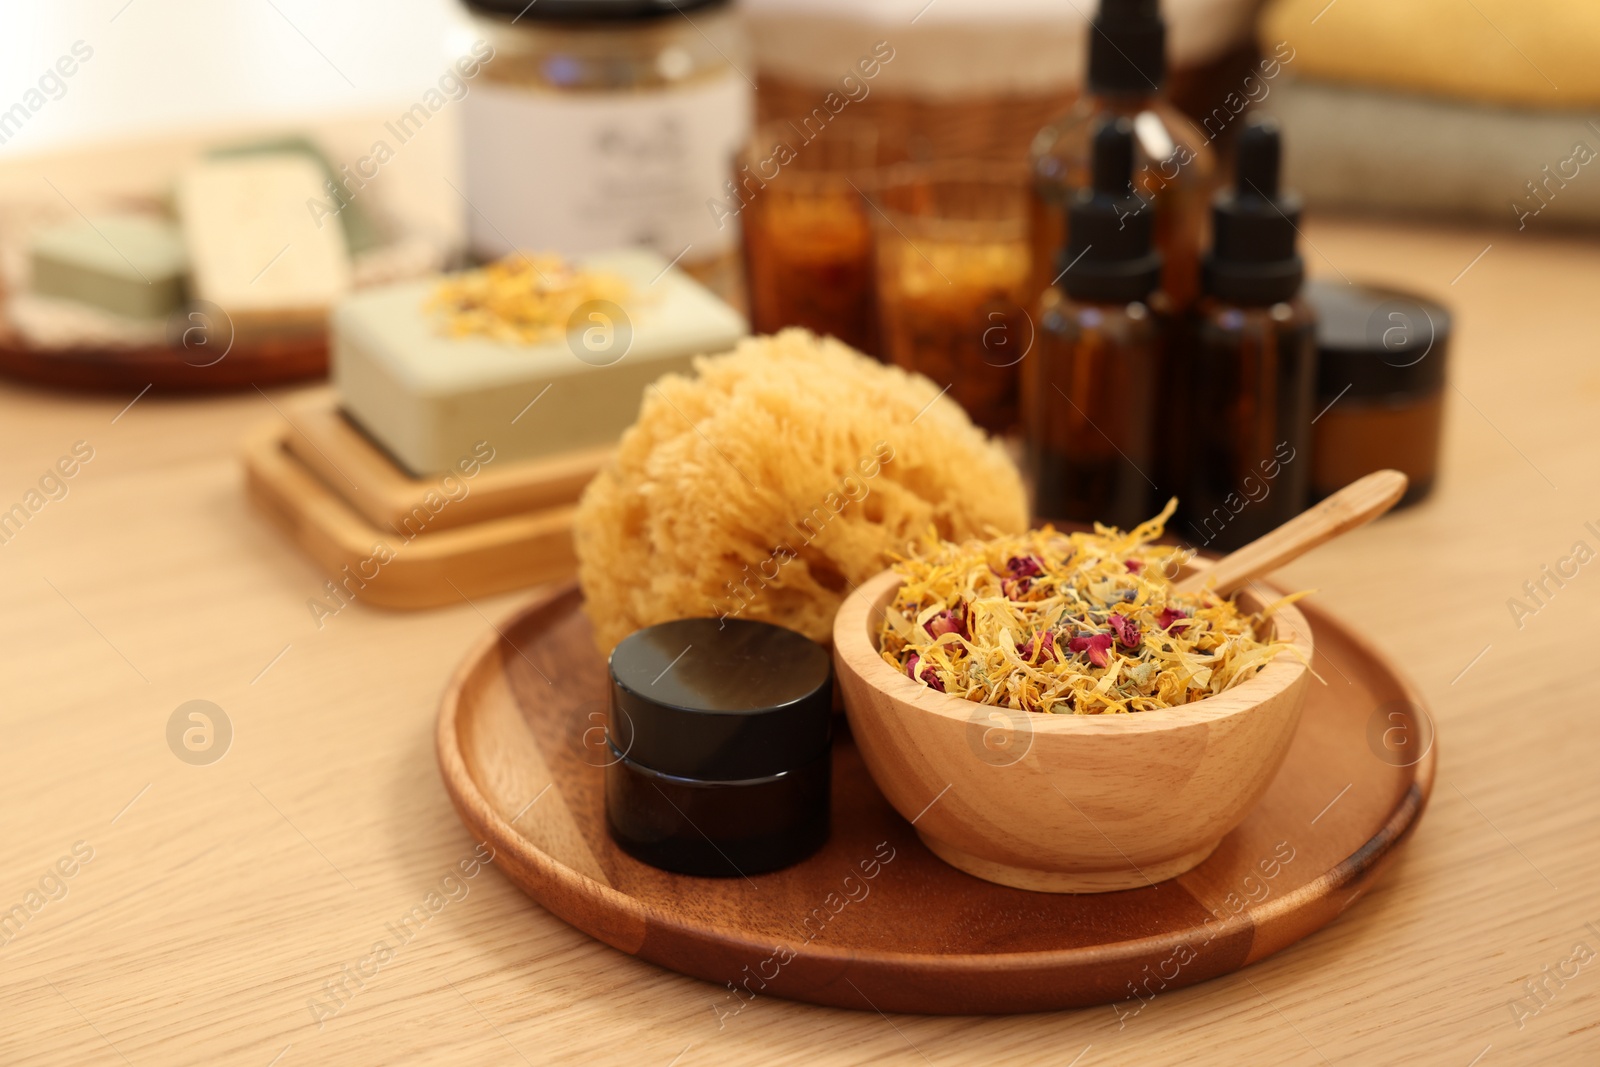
(430, 398)
(128, 264)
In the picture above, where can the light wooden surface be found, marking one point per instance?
(225, 896)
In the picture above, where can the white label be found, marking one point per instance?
(587, 172)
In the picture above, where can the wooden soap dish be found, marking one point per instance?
(874, 920)
(457, 545)
(341, 454)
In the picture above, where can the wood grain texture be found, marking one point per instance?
(1350, 508)
(339, 452)
(217, 905)
(415, 566)
(875, 918)
(1068, 803)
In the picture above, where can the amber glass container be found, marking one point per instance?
(950, 247)
(807, 237)
(1092, 388)
(1174, 170)
(1240, 446)
(1381, 372)
(1173, 167)
(1090, 392)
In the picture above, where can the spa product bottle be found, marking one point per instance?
(1092, 385)
(603, 124)
(1242, 383)
(1173, 164)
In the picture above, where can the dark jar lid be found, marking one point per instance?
(600, 11)
(720, 699)
(1375, 342)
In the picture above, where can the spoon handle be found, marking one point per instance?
(1355, 505)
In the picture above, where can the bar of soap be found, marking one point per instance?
(429, 398)
(255, 248)
(126, 264)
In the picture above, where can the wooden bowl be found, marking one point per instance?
(1066, 803)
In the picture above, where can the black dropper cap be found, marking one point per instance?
(1253, 258)
(1127, 47)
(1109, 256)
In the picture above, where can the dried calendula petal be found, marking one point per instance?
(522, 298)
(1084, 623)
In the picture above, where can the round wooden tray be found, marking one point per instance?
(875, 920)
(265, 362)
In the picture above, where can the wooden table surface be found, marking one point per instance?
(218, 902)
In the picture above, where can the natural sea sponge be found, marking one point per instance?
(775, 480)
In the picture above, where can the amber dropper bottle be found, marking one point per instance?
(1242, 384)
(1092, 384)
(1173, 162)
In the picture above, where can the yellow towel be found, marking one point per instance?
(1529, 53)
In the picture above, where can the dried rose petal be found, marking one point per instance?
(1044, 644)
(1126, 629)
(926, 675)
(1023, 567)
(1169, 616)
(947, 622)
(1097, 645)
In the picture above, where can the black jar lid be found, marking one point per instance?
(720, 699)
(1375, 342)
(590, 10)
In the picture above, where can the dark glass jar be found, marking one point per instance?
(1239, 448)
(1091, 406)
(719, 735)
(1381, 358)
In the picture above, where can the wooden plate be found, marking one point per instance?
(262, 362)
(426, 567)
(359, 469)
(874, 920)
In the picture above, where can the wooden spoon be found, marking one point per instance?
(1355, 505)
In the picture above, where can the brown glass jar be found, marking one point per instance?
(1381, 377)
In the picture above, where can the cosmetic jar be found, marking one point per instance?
(1381, 358)
(719, 740)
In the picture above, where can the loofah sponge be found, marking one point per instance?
(774, 481)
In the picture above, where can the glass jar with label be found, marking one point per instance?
(603, 124)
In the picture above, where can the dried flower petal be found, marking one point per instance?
(1169, 616)
(1023, 567)
(1093, 615)
(947, 622)
(1097, 645)
(1126, 629)
(1042, 643)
